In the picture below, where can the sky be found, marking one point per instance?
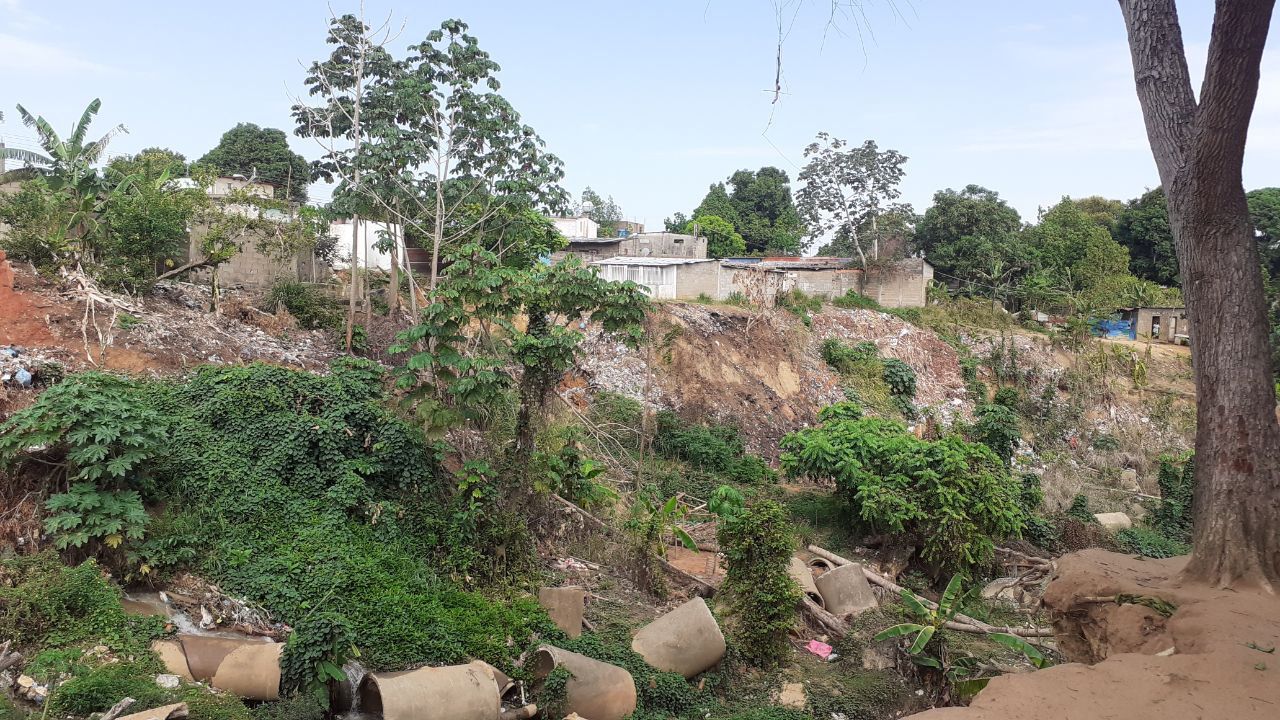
(652, 102)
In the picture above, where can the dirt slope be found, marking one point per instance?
(763, 373)
(1222, 665)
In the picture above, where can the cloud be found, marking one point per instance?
(17, 18)
(28, 56)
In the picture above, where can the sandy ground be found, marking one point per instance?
(1214, 658)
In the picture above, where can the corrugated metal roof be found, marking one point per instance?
(595, 240)
(650, 261)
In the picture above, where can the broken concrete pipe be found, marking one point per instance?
(565, 605)
(456, 692)
(596, 690)
(686, 640)
(164, 712)
(249, 668)
(845, 590)
(803, 576)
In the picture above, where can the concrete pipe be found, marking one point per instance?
(174, 659)
(819, 564)
(565, 605)
(803, 576)
(846, 590)
(686, 640)
(596, 690)
(249, 668)
(457, 692)
(502, 680)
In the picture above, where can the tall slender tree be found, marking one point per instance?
(1198, 145)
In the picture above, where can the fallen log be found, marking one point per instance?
(831, 623)
(961, 622)
(8, 659)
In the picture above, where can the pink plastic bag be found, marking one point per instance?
(820, 649)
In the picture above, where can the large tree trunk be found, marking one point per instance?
(1199, 151)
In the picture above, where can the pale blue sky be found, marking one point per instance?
(650, 102)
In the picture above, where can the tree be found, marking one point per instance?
(722, 240)
(69, 169)
(1102, 211)
(148, 162)
(766, 214)
(1069, 244)
(606, 213)
(1198, 144)
(717, 203)
(848, 189)
(974, 211)
(264, 154)
(1143, 227)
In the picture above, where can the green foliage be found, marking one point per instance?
(204, 704)
(800, 304)
(1149, 542)
(845, 358)
(853, 300)
(575, 477)
(264, 153)
(1105, 442)
(763, 596)
(84, 514)
(1173, 516)
(666, 693)
(104, 686)
(314, 655)
(95, 424)
(879, 383)
(34, 214)
(843, 410)
(950, 496)
(926, 647)
(716, 448)
(294, 707)
(47, 604)
(1039, 530)
(722, 239)
(1079, 510)
(306, 303)
(726, 503)
(285, 472)
(1143, 227)
(650, 525)
(1008, 397)
(552, 693)
(997, 428)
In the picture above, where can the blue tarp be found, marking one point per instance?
(1115, 329)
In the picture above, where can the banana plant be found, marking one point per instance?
(931, 621)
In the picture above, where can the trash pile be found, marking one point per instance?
(16, 367)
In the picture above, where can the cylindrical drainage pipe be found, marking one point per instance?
(457, 692)
(686, 640)
(803, 576)
(248, 668)
(846, 590)
(597, 690)
(565, 606)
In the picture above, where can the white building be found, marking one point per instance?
(371, 233)
(576, 227)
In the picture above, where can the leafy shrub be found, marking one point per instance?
(104, 686)
(314, 655)
(44, 603)
(844, 410)
(799, 303)
(853, 300)
(34, 215)
(306, 303)
(294, 707)
(901, 378)
(1173, 516)
(84, 513)
(950, 496)
(1009, 397)
(716, 448)
(1105, 442)
(306, 490)
(997, 428)
(763, 596)
(574, 477)
(1079, 510)
(1150, 543)
(845, 358)
(96, 423)
(1039, 530)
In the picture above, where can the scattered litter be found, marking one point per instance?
(820, 649)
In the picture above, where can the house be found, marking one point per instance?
(665, 278)
(631, 241)
(900, 284)
(1162, 324)
(371, 235)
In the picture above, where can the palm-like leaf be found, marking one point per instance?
(898, 631)
(77, 135)
(49, 139)
(921, 640)
(26, 156)
(93, 151)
